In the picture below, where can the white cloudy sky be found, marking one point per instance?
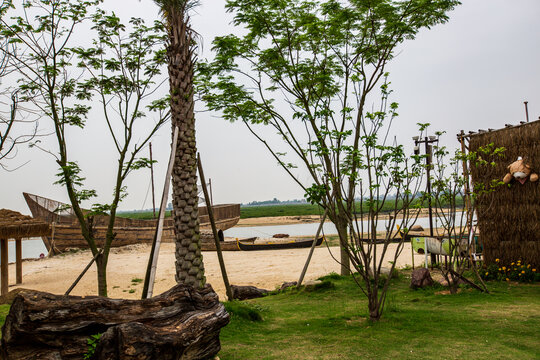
(471, 73)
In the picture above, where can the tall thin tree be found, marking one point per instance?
(180, 51)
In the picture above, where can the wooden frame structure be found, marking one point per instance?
(14, 225)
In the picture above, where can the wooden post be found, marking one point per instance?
(412, 252)
(148, 287)
(18, 260)
(304, 270)
(4, 267)
(467, 189)
(214, 230)
(152, 180)
(467, 197)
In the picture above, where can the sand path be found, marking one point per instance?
(266, 269)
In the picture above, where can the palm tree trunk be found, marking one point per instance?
(189, 262)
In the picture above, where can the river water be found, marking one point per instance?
(306, 229)
(33, 247)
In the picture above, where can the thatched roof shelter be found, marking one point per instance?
(509, 217)
(14, 225)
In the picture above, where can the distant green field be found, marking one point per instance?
(279, 210)
(247, 212)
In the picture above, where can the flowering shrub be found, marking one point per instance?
(516, 271)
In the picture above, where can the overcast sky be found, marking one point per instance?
(471, 73)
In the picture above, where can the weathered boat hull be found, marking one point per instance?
(66, 232)
(278, 245)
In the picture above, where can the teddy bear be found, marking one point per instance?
(520, 171)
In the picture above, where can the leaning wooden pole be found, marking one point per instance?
(308, 260)
(83, 272)
(150, 277)
(214, 230)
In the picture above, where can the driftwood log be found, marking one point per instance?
(247, 292)
(182, 323)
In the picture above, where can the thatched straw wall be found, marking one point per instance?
(14, 225)
(509, 217)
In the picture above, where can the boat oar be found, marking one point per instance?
(312, 249)
(214, 230)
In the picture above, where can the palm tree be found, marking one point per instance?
(180, 53)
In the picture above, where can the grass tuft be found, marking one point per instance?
(323, 285)
(332, 276)
(243, 310)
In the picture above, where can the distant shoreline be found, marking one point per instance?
(298, 219)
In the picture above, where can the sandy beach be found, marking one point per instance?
(265, 269)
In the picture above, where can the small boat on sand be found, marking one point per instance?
(208, 244)
(277, 244)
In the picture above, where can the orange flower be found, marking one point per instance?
(496, 260)
(507, 279)
(523, 272)
(504, 267)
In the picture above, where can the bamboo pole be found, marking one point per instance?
(214, 230)
(4, 267)
(18, 260)
(304, 270)
(150, 277)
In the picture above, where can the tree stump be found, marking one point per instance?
(182, 323)
(247, 292)
(421, 278)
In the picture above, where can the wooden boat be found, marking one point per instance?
(273, 244)
(226, 245)
(66, 231)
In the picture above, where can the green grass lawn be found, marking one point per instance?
(331, 324)
(4, 310)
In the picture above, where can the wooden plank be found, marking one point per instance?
(18, 260)
(4, 281)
